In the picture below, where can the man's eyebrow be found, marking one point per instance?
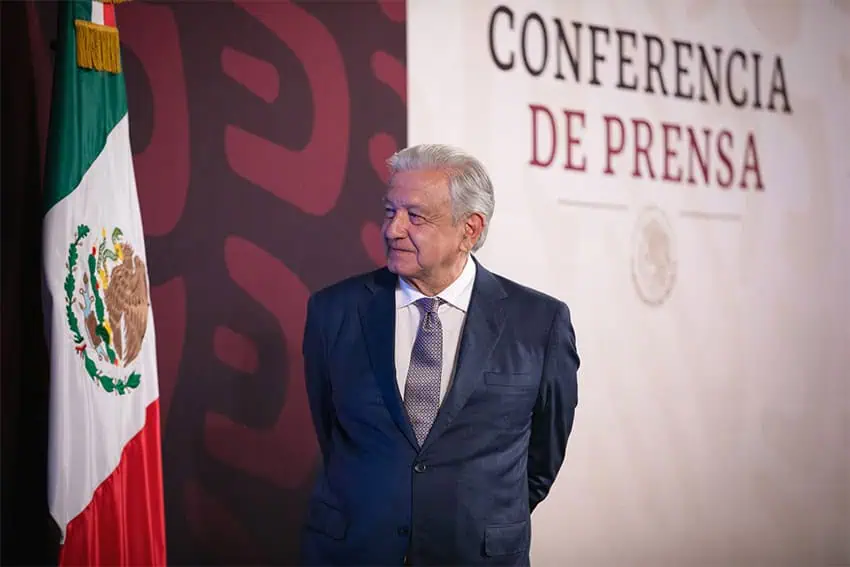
(418, 207)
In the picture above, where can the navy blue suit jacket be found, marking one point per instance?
(465, 497)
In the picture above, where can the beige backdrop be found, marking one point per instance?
(713, 425)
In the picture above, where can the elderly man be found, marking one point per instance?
(442, 394)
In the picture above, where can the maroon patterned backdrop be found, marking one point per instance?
(259, 131)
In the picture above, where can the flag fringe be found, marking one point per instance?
(98, 47)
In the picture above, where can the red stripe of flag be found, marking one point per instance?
(109, 15)
(124, 524)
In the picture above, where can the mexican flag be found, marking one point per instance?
(105, 466)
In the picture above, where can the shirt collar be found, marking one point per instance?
(457, 294)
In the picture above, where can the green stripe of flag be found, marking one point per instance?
(86, 105)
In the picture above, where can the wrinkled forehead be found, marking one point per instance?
(418, 187)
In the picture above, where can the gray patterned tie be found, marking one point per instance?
(422, 389)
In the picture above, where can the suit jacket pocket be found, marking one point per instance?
(506, 539)
(327, 520)
(519, 380)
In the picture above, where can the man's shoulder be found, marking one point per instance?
(352, 287)
(534, 311)
(525, 293)
(527, 305)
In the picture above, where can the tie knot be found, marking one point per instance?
(429, 304)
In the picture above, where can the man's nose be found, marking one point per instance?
(396, 226)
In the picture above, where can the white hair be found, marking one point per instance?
(470, 188)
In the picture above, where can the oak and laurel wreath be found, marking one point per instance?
(108, 383)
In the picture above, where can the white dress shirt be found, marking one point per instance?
(452, 315)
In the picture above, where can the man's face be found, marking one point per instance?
(423, 244)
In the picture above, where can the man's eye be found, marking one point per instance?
(414, 217)
(389, 213)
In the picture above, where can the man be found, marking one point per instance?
(442, 394)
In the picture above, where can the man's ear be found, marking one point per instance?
(473, 226)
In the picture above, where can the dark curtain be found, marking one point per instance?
(28, 535)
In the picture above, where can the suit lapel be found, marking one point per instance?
(485, 321)
(378, 319)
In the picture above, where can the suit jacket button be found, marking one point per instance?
(403, 530)
(419, 467)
